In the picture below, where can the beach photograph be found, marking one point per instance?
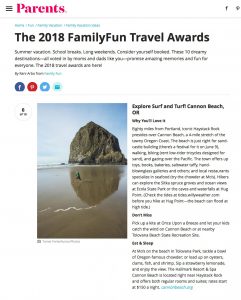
(82, 170)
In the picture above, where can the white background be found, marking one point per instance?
(101, 268)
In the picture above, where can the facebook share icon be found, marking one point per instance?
(19, 87)
(44, 87)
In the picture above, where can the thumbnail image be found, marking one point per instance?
(82, 170)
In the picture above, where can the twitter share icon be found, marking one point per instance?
(44, 87)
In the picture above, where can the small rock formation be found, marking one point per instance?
(93, 144)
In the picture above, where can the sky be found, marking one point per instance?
(58, 124)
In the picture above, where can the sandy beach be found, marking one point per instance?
(94, 206)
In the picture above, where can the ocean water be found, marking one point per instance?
(94, 206)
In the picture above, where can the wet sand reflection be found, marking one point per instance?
(96, 184)
(94, 206)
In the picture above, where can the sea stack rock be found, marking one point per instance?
(93, 144)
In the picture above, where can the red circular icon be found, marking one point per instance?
(32, 87)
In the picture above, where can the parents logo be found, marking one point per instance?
(34, 9)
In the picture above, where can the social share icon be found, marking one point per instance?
(32, 87)
(19, 87)
(57, 86)
(44, 87)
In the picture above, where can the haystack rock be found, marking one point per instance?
(93, 144)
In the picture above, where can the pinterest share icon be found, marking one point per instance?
(32, 87)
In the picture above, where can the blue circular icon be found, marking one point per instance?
(19, 86)
(44, 86)
(57, 86)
